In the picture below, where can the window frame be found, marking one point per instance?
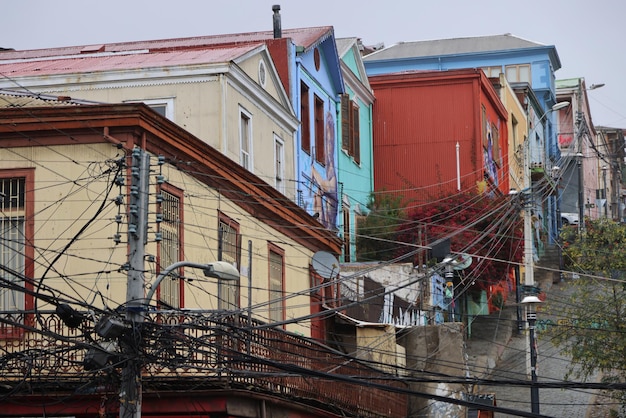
(305, 118)
(180, 287)
(225, 286)
(168, 102)
(28, 174)
(245, 137)
(350, 128)
(320, 131)
(276, 306)
(279, 163)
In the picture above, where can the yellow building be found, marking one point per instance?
(101, 200)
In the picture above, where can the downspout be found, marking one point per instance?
(224, 142)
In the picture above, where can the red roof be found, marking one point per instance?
(123, 61)
(305, 37)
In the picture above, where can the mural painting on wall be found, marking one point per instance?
(489, 153)
(322, 199)
(565, 141)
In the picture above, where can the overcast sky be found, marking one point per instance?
(588, 35)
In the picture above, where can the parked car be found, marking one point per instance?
(569, 218)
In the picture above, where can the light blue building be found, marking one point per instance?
(355, 164)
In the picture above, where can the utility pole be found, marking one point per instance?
(130, 393)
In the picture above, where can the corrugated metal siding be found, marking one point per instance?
(89, 63)
(415, 134)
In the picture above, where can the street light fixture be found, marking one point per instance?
(219, 270)
(531, 302)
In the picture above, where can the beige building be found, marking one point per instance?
(66, 182)
(229, 96)
(102, 203)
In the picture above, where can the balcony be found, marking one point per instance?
(191, 351)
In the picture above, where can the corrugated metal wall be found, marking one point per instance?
(416, 129)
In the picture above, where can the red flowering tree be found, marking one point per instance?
(488, 228)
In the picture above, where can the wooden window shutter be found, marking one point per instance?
(345, 121)
(355, 144)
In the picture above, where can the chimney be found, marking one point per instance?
(277, 29)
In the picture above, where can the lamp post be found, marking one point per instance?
(605, 197)
(580, 125)
(581, 193)
(531, 317)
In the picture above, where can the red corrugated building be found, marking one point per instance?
(436, 132)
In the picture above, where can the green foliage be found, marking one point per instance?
(599, 250)
(376, 239)
(596, 304)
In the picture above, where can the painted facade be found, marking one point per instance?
(355, 158)
(231, 97)
(519, 59)
(452, 122)
(71, 179)
(579, 143)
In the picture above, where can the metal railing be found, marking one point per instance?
(199, 350)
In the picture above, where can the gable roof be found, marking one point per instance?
(121, 61)
(456, 46)
(305, 37)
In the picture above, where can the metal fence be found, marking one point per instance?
(194, 349)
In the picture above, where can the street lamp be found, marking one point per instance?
(218, 269)
(531, 316)
(131, 382)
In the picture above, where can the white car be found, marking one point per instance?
(569, 218)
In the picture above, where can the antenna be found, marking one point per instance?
(325, 264)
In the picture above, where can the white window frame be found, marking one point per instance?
(168, 102)
(245, 156)
(279, 164)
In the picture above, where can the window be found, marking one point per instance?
(245, 137)
(495, 134)
(279, 158)
(276, 284)
(346, 234)
(518, 73)
(320, 150)
(170, 248)
(229, 250)
(305, 118)
(13, 239)
(493, 71)
(350, 139)
(164, 107)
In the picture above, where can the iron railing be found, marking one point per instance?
(194, 350)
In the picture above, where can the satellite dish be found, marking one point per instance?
(325, 264)
(461, 261)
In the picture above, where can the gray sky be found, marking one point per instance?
(587, 34)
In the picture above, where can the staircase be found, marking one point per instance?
(546, 271)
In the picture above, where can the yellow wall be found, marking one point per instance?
(69, 190)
